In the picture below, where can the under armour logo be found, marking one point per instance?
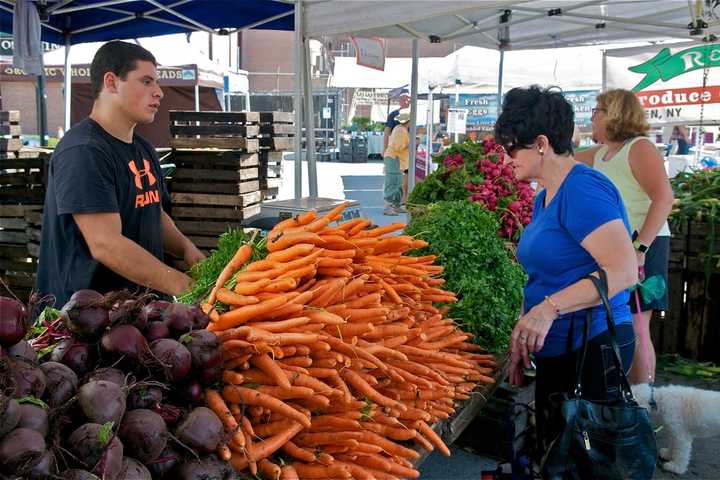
(139, 174)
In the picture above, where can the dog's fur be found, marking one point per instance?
(686, 413)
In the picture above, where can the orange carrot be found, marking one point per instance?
(240, 315)
(241, 256)
(231, 298)
(252, 397)
(265, 448)
(251, 288)
(269, 366)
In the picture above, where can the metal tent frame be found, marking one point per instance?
(489, 23)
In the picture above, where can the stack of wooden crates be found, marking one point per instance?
(23, 176)
(226, 164)
(691, 325)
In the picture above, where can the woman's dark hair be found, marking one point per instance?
(118, 58)
(529, 112)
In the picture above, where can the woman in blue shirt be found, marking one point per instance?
(579, 226)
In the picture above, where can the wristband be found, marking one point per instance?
(553, 304)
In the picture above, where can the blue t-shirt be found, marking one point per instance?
(553, 258)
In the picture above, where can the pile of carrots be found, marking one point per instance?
(335, 357)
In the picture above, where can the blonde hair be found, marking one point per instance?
(625, 115)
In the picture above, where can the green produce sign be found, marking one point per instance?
(665, 66)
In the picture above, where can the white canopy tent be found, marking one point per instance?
(501, 25)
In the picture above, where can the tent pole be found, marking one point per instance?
(413, 115)
(297, 98)
(309, 121)
(68, 84)
(247, 100)
(604, 71)
(500, 81)
(42, 106)
(457, 105)
(197, 98)
(431, 116)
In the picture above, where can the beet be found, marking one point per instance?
(85, 314)
(112, 375)
(102, 453)
(23, 349)
(192, 392)
(27, 379)
(13, 321)
(144, 397)
(211, 375)
(144, 434)
(76, 474)
(61, 383)
(102, 401)
(45, 468)
(202, 468)
(33, 417)
(200, 319)
(20, 450)
(156, 331)
(201, 430)
(133, 470)
(173, 356)
(179, 318)
(204, 348)
(153, 311)
(80, 357)
(126, 340)
(128, 311)
(164, 463)
(9, 414)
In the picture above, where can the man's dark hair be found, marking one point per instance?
(529, 112)
(116, 57)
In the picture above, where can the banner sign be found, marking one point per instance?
(7, 44)
(676, 85)
(369, 52)
(665, 66)
(186, 75)
(582, 101)
(481, 109)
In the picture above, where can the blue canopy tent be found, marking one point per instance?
(69, 22)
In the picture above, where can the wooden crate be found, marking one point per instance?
(23, 177)
(690, 326)
(10, 131)
(270, 173)
(221, 130)
(17, 266)
(277, 131)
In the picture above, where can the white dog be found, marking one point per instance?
(686, 413)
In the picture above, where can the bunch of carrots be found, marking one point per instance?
(334, 353)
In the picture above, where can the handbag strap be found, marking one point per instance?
(601, 284)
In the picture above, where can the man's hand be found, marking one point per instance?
(192, 255)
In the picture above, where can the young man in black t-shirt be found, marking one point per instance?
(104, 224)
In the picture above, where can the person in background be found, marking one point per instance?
(579, 226)
(397, 161)
(576, 137)
(104, 222)
(680, 136)
(392, 122)
(628, 158)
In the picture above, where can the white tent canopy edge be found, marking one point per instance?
(544, 24)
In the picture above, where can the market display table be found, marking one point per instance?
(451, 428)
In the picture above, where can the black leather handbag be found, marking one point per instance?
(601, 440)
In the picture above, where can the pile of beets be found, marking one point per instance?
(116, 395)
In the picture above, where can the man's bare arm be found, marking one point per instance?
(103, 234)
(177, 243)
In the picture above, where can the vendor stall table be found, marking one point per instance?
(451, 428)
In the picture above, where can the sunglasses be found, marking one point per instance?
(511, 149)
(594, 111)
